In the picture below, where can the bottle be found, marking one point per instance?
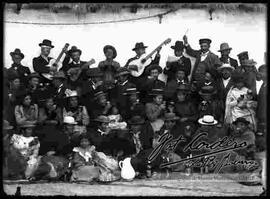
(18, 191)
(148, 169)
(188, 169)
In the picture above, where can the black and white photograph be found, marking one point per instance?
(134, 99)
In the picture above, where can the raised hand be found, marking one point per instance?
(185, 39)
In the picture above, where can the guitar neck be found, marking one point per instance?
(59, 57)
(150, 55)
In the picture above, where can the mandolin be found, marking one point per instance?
(55, 63)
(144, 61)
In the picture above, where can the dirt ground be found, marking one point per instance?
(160, 186)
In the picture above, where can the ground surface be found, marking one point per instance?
(176, 186)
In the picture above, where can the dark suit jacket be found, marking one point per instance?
(223, 91)
(171, 87)
(174, 65)
(149, 84)
(233, 62)
(21, 71)
(262, 104)
(39, 64)
(210, 61)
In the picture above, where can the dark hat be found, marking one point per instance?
(224, 46)
(157, 91)
(205, 40)
(262, 67)
(27, 125)
(99, 94)
(122, 71)
(46, 42)
(110, 47)
(59, 75)
(17, 51)
(170, 117)
(34, 74)
(139, 45)
(184, 88)
(179, 45)
(249, 62)
(94, 72)
(243, 54)
(241, 119)
(74, 49)
(207, 90)
(102, 119)
(137, 119)
(130, 91)
(6, 125)
(152, 67)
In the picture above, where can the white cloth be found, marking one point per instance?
(226, 81)
(258, 86)
(85, 153)
(204, 55)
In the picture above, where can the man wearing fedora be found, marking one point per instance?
(205, 59)
(140, 50)
(109, 66)
(224, 83)
(59, 87)
(151, 82)
(180, 77)
(121, 86)
(210, 105)
(182, 62)
(250, 72)
(74, 55)
(40, 63)
(16, 67)
(134, 106)
(225, 50)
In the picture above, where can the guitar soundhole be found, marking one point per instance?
(143, 61)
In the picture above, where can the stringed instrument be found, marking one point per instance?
(74, 73)
(144, 61)
(55, 63)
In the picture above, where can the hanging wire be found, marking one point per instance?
(86, 23)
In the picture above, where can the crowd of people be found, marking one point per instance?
(79, 123)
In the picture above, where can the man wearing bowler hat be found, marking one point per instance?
(140, 50)
(22, 71)
(205, 59)
(40, 63)
(224, 83)
(225, 50)
(182, 62)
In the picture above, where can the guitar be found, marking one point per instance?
(55, 63)
(74, 73)
(144, 61)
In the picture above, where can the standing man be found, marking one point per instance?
(205, 59)
(182, 62)
(140, 50)
(40, 63)
(22, 71)
(225, 58)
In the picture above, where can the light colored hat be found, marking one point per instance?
(69, 120)
(27, 126)
(225, 65)
(224, 46)
(71, 93)
(207, 120)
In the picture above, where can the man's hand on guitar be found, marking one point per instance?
(133, 67)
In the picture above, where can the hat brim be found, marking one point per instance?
(137, 92)
(140, 48)
(74, 50)
(172, 119)
(101, 121)
(123, 73)
(136, 123)
(225, 67)
(20, 54)
(58, 77)
(153, 68)
(245, 122)
(8, 128)
(177, 48)
(72, 123)
(28, 126)
(224, 49)
(213, 93)
(205, 123)
(42, 44)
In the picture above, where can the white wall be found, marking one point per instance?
(241, 30)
